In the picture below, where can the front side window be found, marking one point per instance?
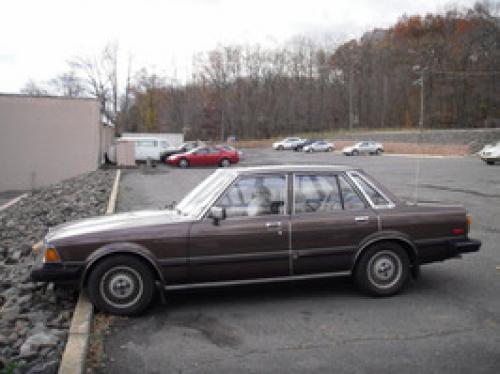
(317, 194)
(255, 196)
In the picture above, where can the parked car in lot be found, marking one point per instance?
(287, 143)
(203, 156)
(364, 148)
(300, 145)
(319, 146)
(230, 148)
(490, 153)
(147, 147)
(255, 225)
(184, 147)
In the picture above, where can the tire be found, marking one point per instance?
(107, 160)
(378, 152)
(121, 284)
(183, 163)
(490, 162)
(329, 149)
(225, 163)
(355, 153)
(280, 148)
(383, 269)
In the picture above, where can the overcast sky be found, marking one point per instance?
(37, 37)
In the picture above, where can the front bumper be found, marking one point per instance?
(55, 272)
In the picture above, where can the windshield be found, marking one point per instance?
(196, 201)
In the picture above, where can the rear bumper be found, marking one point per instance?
(55, 272)
(440, 250)
(464, 246)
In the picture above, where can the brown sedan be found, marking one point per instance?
(253, 225)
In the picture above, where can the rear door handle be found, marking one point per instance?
(361, 218)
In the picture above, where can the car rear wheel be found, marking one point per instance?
(183, 163)
(280, 148)
(121, 285)
(383, 269)
(378, 152)
(225, 163)
(355, 152)
(329, 149)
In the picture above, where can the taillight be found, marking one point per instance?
(469, 222)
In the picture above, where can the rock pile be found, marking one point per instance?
(35, 317)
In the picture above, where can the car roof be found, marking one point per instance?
(291, 168)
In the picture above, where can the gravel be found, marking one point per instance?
(35, 317)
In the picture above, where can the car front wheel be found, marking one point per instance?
(225, 163)
(355, 152)
(121, 284)
(383, 269)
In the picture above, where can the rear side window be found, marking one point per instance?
(350, 197)
(373, 194)
(317, 194)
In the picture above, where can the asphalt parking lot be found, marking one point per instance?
(448, 321)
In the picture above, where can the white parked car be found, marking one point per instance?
(145, 148)
(287, 143)
(490, 153)
(364, 148)
(319, 146)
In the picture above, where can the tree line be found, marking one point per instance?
(448, 62)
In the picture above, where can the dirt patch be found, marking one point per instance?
(391, 147)
(100, 329)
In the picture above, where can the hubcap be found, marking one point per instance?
(121, 286)
(385, 269)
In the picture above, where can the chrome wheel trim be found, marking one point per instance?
(183, 163)
(121, 287)
(384, 269)
(225, 163)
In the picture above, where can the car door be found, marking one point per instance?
(330, 219)
(252, 241)
(199, 157)
(214, 156)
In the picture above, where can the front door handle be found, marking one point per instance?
(273, 225)
(361, 218)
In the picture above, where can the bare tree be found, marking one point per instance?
(34, 89)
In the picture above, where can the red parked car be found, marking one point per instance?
(207, 155)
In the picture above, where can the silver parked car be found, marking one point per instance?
(364, 148)
(319, 146)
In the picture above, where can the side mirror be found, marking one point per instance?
(218, 214)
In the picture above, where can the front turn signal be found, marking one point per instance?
(51, 255)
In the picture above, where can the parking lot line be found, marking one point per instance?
(409, 155)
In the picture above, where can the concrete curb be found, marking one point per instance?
(75, 352)
(13, 201)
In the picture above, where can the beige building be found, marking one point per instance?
(44, 140)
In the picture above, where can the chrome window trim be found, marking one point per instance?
(215, 197)
(390, 204)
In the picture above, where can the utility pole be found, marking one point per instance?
(350, 99)
(421, 122)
